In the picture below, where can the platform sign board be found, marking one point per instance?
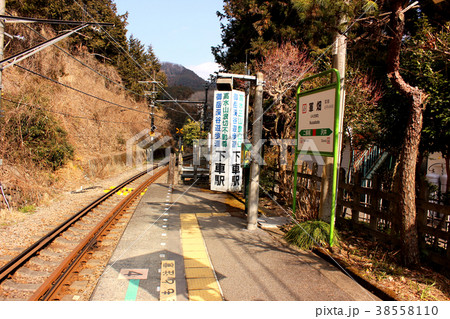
(316, 122)
(318, 128)
(227, 137)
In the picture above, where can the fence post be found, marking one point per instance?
(340, 194)
(374, 202)
(356, 198)
(421, 212)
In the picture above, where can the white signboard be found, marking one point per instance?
(316, 122)
(227, 137)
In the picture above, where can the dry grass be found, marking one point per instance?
(379, 264)
(90, 138)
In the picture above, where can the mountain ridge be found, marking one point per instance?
(178, 75)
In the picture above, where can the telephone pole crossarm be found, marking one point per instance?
(6, 63)
(11, 19)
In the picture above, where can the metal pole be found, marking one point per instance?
(252, 216)
(2, 36)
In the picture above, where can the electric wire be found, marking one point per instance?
(79, 116)
(82, 63)
(85, 93)
(93, 96)
(66, 114)
(310, 67)
(78, 90)
(134, 60)
(102, 75)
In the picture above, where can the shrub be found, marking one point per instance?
(36, 134)
(308, 234)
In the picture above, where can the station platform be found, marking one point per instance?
(189, 243)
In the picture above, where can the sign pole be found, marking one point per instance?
(315, 124)
(253, 195)
(336, 154)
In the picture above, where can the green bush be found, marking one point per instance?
(35, 134)
(308, 234)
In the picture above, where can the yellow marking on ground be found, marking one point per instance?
(220, 214)
(204, 272)
(203, 214)
(195, 254)
(185, 218)
(201, 281)
(204, 295)
(189, 226)
(124, 191)
(193, 247)
(196, 263)
(168, 288)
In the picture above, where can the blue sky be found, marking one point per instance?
(180, 31)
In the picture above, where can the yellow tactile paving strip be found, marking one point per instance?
(201, 282)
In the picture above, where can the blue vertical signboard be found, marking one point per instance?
(227, 135)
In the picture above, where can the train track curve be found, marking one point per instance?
(41, 271)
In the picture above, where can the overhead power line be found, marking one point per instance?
(11, 19)
(134, 60)
(86, 65)
(5, 63)
(89, 94)
(79, 91)
(66, 114)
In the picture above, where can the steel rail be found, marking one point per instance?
(24, 256)
(51, 286)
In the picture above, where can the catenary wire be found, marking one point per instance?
(82, 63)
(78, 90)
(66, 114)
(310, 67)
(134, 60)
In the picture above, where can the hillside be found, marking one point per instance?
(178, 75)
(50, 133)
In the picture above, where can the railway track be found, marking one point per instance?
(45, 270)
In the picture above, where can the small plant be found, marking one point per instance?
(28, 209)
(426, 292)
(308, 234)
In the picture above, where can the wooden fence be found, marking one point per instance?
(372, 209)
(365, 206)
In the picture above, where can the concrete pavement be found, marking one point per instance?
(214, 256)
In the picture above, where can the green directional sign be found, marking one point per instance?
(316, 132)
(318, 128)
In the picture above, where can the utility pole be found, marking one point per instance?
(339, 55)
(253, 197)
(151, 96)
(2, 39)
(205, 106)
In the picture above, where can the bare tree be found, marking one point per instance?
(283, 68)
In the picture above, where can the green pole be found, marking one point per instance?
(335, 156)
(294, 191)
(294, 195)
